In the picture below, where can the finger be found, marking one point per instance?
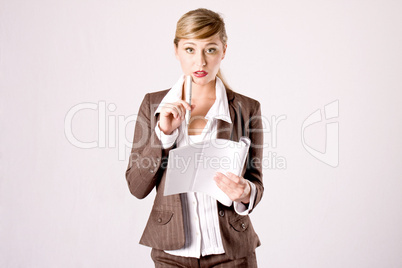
(178, 110)
(224, 180)
(233, 193)
(223, 186)
(179, 106)
(185, 104)
(233, 177)
(182, 110)
(171, 110)
(232, 181)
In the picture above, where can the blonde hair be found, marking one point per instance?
(200, 24)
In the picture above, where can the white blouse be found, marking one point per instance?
(200, 211)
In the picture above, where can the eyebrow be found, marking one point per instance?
(191, 43)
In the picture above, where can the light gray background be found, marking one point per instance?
(64, 206)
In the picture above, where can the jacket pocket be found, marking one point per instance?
(240, 224)
(161, 217)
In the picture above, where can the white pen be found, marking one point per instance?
(188, 96)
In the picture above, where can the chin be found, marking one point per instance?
(203, 81)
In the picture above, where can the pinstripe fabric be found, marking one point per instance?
(165, 260)
(164, 229)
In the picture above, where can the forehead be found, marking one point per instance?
(202, 42)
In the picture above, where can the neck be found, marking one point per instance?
(201, 91)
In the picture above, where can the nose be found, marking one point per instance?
(200, 61)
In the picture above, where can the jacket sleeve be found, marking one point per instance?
(255, 158)
(148, 159)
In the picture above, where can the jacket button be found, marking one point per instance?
(159, 220)
(243, 226)
(221, 213)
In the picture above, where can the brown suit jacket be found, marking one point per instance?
(147, 166)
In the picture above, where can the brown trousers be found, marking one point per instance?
(165, 260)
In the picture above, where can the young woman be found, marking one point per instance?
(193, 229)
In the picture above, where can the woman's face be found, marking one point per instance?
(201, 58)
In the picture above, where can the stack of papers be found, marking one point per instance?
(191, 168)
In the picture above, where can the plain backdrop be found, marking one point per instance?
(62, 205)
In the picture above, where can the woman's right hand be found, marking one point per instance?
(172, 114)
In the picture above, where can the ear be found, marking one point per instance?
(224, 51)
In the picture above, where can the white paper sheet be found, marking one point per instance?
(191, 168)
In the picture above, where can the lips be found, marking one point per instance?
(200, 73)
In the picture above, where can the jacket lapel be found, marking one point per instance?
(225, 129)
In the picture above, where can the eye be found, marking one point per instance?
(189, 50)
(211, 50)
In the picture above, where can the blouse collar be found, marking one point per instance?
(220, 108)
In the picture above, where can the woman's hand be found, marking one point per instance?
(237, 188)
(172, 114)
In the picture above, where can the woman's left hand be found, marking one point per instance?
(237, 188)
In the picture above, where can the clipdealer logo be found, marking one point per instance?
(331, 154)
(112, 133)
